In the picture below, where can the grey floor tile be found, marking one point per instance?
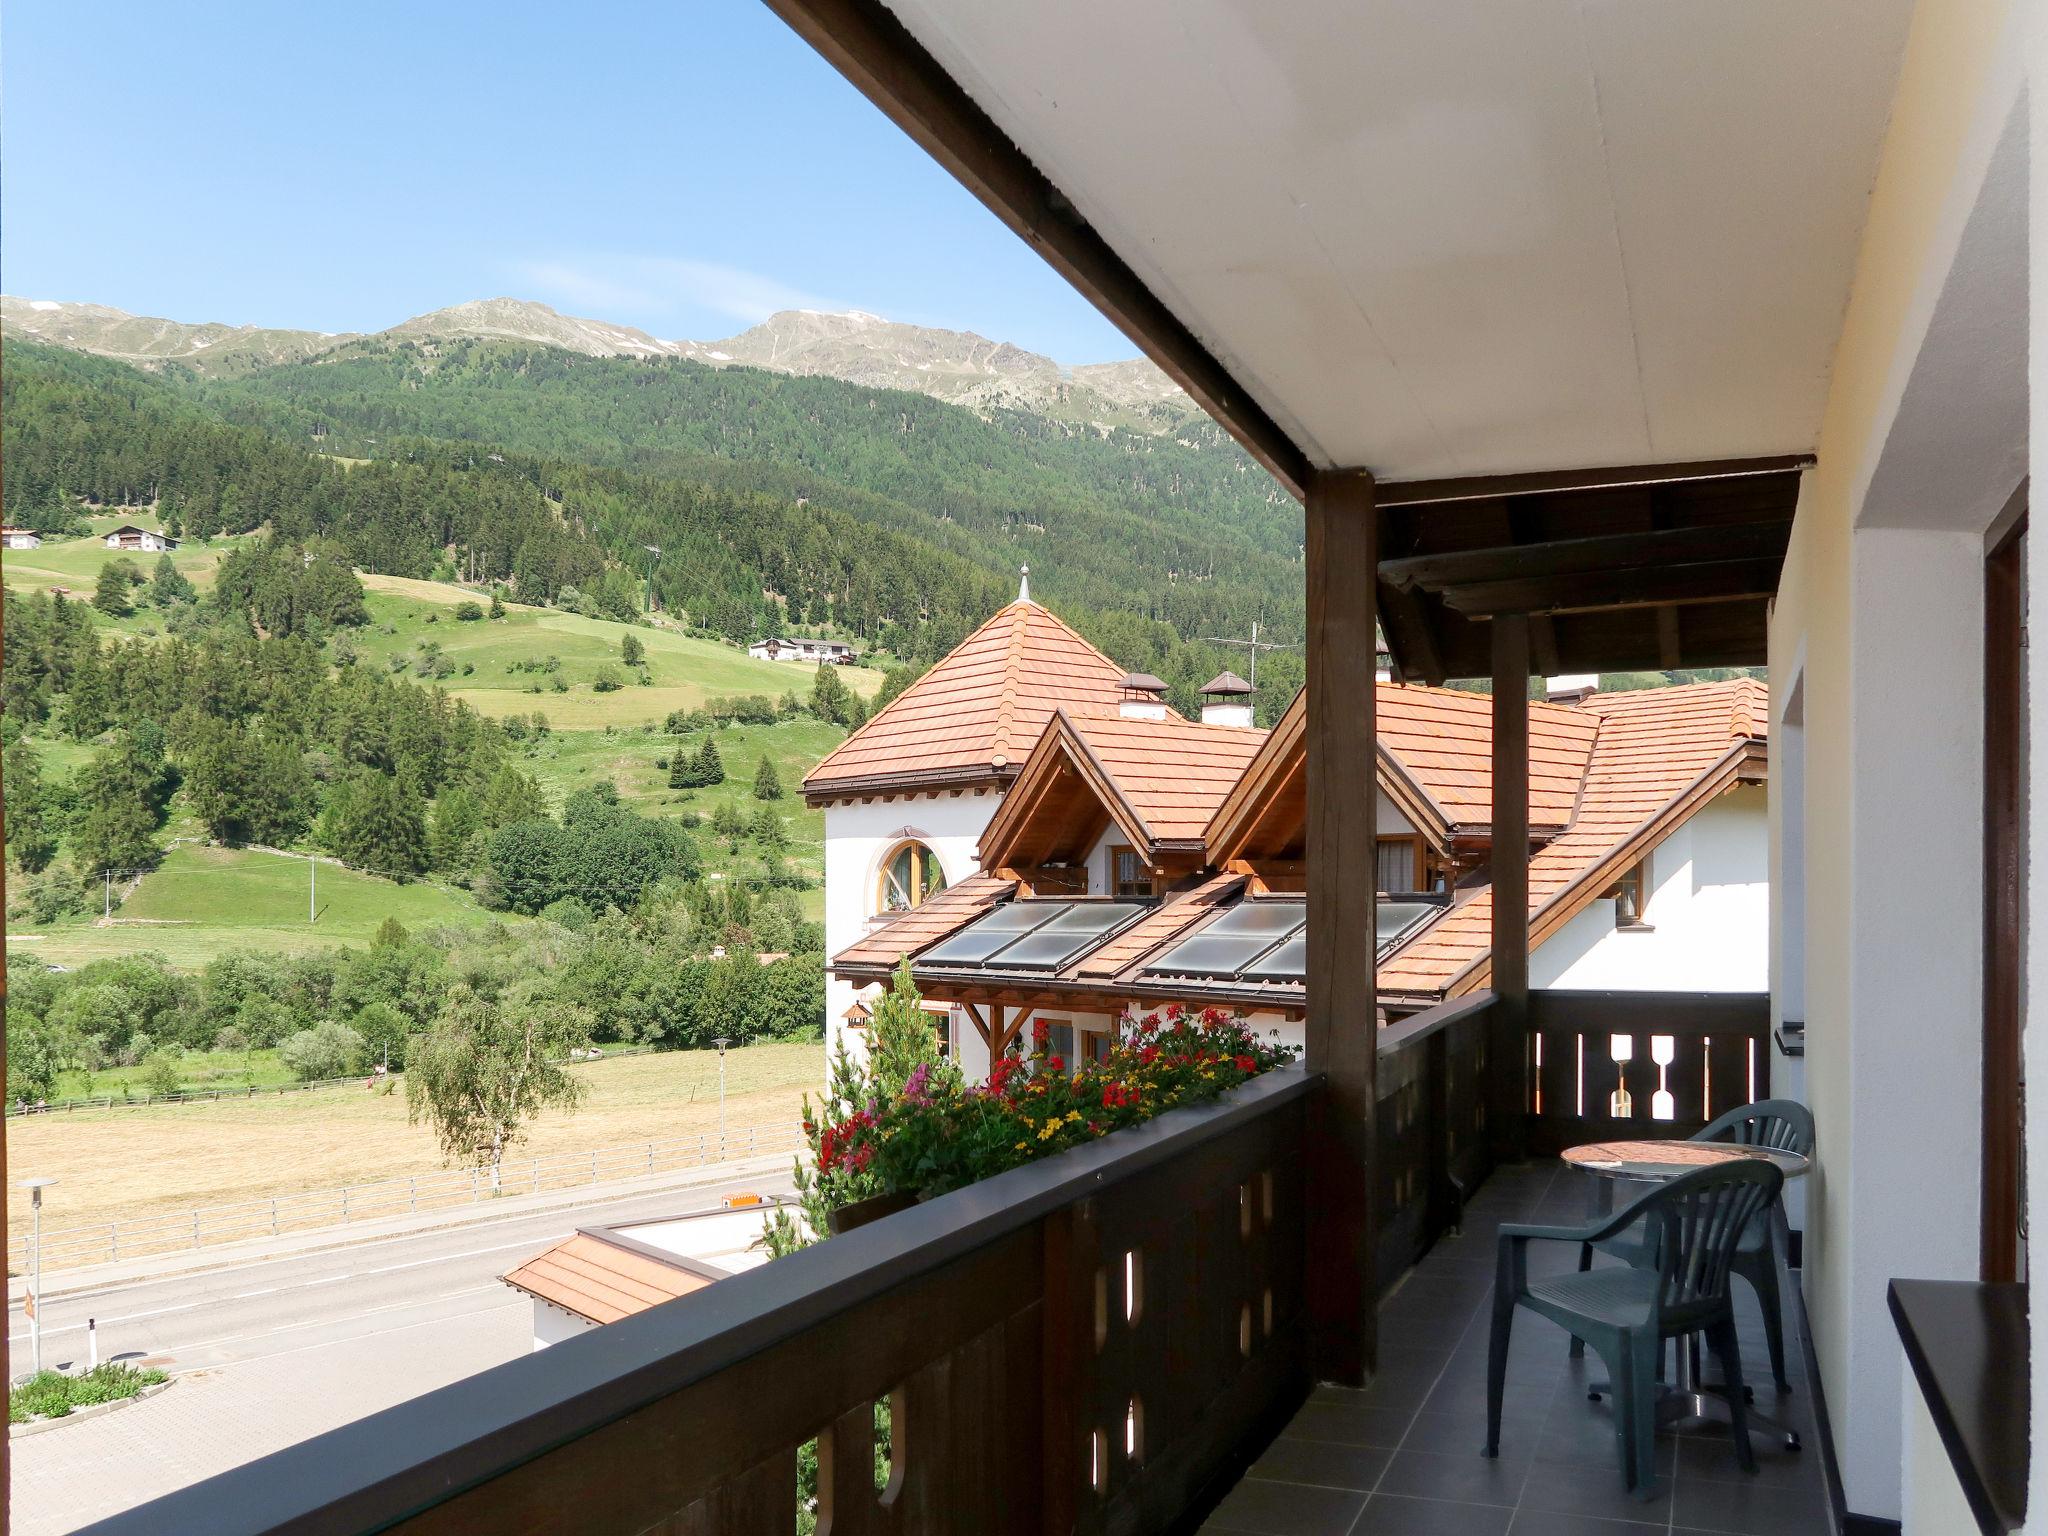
(1463, 1476)
(1391, 1515)
(1356, 1467)
(1751, 1507)
(1545, 1522)
(1568, 1488)
(1349, 1424)
(1266, 1508)
(1713, 1458)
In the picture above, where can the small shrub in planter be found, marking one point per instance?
(53, 1395)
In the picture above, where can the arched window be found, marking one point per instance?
(910, 873)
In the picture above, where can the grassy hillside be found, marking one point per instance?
(203, 900)
(682, 672)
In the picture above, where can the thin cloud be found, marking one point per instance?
(651, 286)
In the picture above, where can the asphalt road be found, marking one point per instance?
(259, 1307)
(270, 1351)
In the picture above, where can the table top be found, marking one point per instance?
(1668, 1159)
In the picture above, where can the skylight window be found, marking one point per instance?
(1033, 935)
(1238, 939)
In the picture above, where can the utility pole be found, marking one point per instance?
(1254, 645)
(107, 898)
(312, 889)
(654, 550)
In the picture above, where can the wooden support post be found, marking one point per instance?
(1342, 1026)
(1510, 882)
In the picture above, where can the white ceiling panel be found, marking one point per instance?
(1469, 237)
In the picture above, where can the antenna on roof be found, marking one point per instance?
(1255, 645)
(1023, 583)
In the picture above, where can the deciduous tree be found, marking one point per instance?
(484, 1069)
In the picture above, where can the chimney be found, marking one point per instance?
(1571, 687)
(1382, 656)
(1143, 697)
(1226, 700)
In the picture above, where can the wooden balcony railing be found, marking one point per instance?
(1093, 1343)
(1607, 1066)
(1433, 1136)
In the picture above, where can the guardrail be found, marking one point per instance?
(110, 1241)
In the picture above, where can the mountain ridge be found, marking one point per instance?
(858, 347)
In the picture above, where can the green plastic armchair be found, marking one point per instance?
(1693, 1226)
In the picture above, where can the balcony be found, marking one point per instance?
(1105, 1341)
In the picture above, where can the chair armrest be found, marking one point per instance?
(1523, 1231)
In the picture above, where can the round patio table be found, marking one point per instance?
(1687, 1401)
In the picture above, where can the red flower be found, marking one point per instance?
(1040, 1033)
(1247, 1066)
(1056, 1063)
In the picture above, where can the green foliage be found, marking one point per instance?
(607, 680)
(169, 585)
(160, 1072)
(53, 1395)
(375, 822)
(696, 770)
(31, 830)
(248, 787)
(326, 1050)
(832, 700)
(486, 1068)
(631, 651)
(110, 593)
(512, 796)
(33, 1058)
(767, 782)
(467, 612)
(121, 798)
(289, 588)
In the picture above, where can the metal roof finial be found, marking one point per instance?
(1023, 583)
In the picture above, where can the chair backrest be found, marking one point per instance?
(1699, 1218)
(1784, 1125)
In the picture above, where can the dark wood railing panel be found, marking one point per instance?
(1640, 1065)
(1433, 1142)
(1039, 1379)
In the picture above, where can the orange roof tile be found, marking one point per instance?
(1174, 773)
(978, 711)
(1652, 746)
(597, 1280)
(1444, 736)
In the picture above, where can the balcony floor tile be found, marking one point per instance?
(1400, 1457)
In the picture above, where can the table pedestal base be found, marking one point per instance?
(1690, 1404)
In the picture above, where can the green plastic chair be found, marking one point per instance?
(1783, 1125)
(1694, 1226)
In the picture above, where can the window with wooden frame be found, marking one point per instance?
(1628, 895)
(1401, 868)
(910, 874)
(1128, 873)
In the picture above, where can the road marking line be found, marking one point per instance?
(266, 1333)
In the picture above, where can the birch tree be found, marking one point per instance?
(484, 1069)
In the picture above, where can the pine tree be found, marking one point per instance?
(382, 827)
(118, 796)
(710, 767)
(110, 595)
(169, 585)
(30, 837)
(767, 782)
(497, 605)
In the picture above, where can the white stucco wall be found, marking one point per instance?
(551, 1325)
(857, 839)
(1707, 906)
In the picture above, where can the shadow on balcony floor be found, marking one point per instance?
(1402, 1457)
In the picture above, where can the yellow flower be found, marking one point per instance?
(1052, 1129)
(1023, 1146)
(1073, 1114)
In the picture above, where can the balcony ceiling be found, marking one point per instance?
(1467, 238)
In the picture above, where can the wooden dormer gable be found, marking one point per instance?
(1063, 801)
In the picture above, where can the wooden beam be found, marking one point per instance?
(1342, 1028)
(1411, 634)
(1510, 881)
(865, 42)
(1423, 493)
(1670, 643)
(1720, 581)
(981, 1025)
(1588, 556)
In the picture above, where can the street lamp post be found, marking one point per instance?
(35, 1188)
(721, 1042)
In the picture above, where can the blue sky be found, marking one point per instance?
(686, 166)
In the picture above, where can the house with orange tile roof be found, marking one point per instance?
(908, 796)
(1648, 870)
